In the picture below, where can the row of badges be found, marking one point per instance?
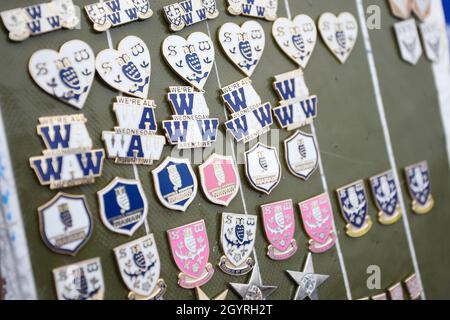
(397, 292)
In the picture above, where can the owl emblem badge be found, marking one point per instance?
(302, 156)
(385, 194)
(419, 186)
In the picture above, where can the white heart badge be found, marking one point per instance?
(244, 45)
(422, 8)
(67, 74)
(128, 68)
(297, 38)
(191, 59)
(339, 33)
(401, 8)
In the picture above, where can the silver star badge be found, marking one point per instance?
(307, 281)
(254, 289)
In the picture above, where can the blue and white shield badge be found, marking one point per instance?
(353, 202)
(386, 199)
(302, 156)
(419, 186)
(175, 183)
(123, 205)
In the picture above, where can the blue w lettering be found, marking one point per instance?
(286, 89)
(238, 127)
(236, 99)
(52, 172)
(87, 164)
(55, 140)
(182, 103)
(263, 115)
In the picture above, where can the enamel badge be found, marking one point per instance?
(188, 12)
(33, 20)
(279, 226)
(431, 39)
(339, 33)
(396, 292)
(401, 8)
(302, 156)
(413, 286)
(386, 198)
(69, 159)
(80, 281)
(254, 289)
(126, 69)
(175, 183)
(113, 13)
(317, 217)
(140, 268)
(262, 167)
(219, 179)
(291, 86)
(65, 223)
(68, 74)
(244, 45)
(419, 187)
(294, 114)
(239, 96)
(422, 8)
(266, 9)
(408, 40)
(190, 250)
(123, 206)
(353, 202)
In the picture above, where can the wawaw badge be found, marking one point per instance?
(302, 156)
(419, 186)
(386, 199)
(188, 12)
(266, 9)
(291, 86)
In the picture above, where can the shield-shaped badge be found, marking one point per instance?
(140, 268)
(317, 216)
(302, 156)
(279, 225)
(123, 205)
(65, 223)
(175, 183)
(190, 250)
(238, 239)
(419, 186)
(385, 195)
(219, 179)
(353, 201)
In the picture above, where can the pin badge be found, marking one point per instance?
(401, 8)
(339, 33)
(244, 45)
(128, 68)
(113, 13)
(422, 8)
(175, 183)
(188, 12)
(33, 20)
(294, 114)
(190, 250)
(413, 286)
(317, 217)
(265, 9)
(69, 159)
(297, 38)
(219, 179)
(80, 281)
(65, 223)
(279, 225)
(123, 205)
(291, 86)
(67, 74)
(201, 295)
(140, 267)
(386, 199)
(431, 39)
(353, 202)
(396, 292)
(419, 186)
(408, 41)
(239, 96)
(302, 156)
(254, 289)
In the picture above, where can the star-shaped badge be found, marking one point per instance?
(307, 281)
(254, 289)
(201, 295)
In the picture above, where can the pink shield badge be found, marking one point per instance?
(190, 250)
(317, 220)
(280, 228)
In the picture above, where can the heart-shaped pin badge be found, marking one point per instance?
(401, 8)
(128, 68)
(192, 58)
(297, 37)
(244, 45)
(422, 8)
(339, 33)
(67, 74)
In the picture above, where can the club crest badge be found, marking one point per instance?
(188, 12)
(68, 74)
(69, 159)
(291, 86)
(33, 20)
(279, 226)
(302, 155)
(294, 114)
(353, 202)
(413, 286)
(175, 183)
(190, 250)
(386, 198)
(408, 41)
(113, 13)
(140, 268)
(192, 58)
(238, 234)
(317, 217)
(80, 281)
(262, 167)
(422, 8)
(244, 45)
(220, 179)
(65, 223)
(432, 40)
(128, 68)
(401, 8)
(419, 187)
(265, 9)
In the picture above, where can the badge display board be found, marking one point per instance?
(349, 134)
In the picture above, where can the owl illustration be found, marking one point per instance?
(340, 38)
(298, 42)
(384, 187)
(65, 216)
(138, 257)
(80, 282)
(174, 177)
(239, 231)
(246, 49)
(353, 197)
(420, 183)
(253, 293)
(122, 199)
(308, 283)
(316, 212)
(279, 217)
(301, 148)
(67, 74)
(130, 70)
(189, 240)
(219, 173)
(262, 160)
(193, 62)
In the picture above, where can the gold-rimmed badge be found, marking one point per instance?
(385, 195)
(419, 187)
